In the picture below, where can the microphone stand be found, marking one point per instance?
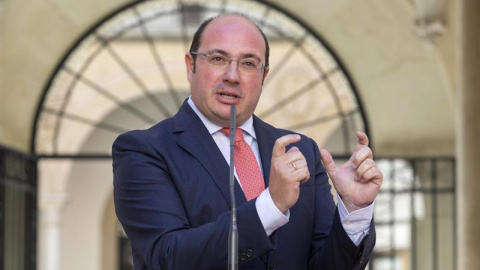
(233, 233)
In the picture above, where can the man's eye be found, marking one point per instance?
(249, 64)
(217, 59)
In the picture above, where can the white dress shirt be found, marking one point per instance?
(356, 224)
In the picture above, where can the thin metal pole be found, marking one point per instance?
(233, 233)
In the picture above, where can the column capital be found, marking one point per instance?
(430, 19)
(52, 200)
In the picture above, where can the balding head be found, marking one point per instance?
(197, 37)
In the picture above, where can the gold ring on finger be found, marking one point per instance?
(294, 166)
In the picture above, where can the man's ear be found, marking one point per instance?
(190, 65)
(265, 73)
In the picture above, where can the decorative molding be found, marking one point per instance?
(430, 20)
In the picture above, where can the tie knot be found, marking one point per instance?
(238, 133)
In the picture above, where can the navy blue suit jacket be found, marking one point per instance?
(171, 192)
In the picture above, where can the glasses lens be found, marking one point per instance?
(249, 65)
(217, 60)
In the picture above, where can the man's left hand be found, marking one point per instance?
(359, 179)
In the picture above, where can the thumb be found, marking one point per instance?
(328, 162)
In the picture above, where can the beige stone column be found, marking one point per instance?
(50, 207)
(468, 134)
(52, 200)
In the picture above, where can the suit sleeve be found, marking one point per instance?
(335, 250)
(153, 216)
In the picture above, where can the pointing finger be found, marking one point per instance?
(362, 140)
(282, 142)
(293, 149)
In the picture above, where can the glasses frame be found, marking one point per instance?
(261, 68)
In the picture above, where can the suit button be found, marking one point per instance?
(249, 253)
(243, 256)
(361, 258)
(271, 268)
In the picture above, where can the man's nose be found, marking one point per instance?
(232, 73)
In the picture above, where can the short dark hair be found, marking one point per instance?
(198, 36)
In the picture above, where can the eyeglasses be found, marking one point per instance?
(246, 65)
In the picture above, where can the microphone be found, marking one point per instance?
(233, 233)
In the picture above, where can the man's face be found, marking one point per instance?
(215, 89)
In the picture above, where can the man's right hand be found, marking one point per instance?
(288, 169)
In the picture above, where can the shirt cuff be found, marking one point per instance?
(357, 223)
(269, 214)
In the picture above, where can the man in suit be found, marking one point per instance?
(171, 187)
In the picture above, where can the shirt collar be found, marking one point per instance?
(212, 127)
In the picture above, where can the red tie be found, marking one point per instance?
(246, 166)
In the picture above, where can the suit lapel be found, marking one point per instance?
(194, 138)
(266, 140)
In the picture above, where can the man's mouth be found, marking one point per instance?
(228, 96)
